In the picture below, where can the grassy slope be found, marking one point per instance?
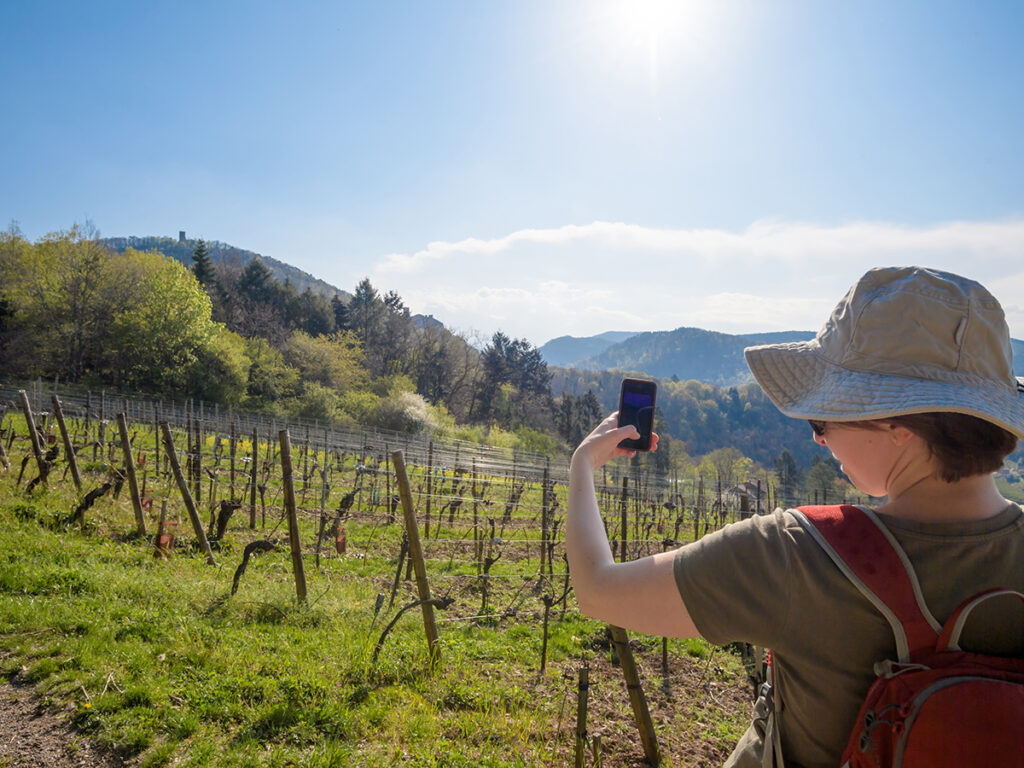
(159, 662)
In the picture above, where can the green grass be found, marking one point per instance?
(161, 664)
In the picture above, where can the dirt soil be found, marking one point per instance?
(684, 713)
(32, 735)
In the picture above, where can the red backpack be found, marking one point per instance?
(935, 705)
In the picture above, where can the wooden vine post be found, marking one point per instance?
(582, 693)
(197, 456)
(624, 518)
(37, 449)
(478, 546)
(4, 461)
(156, 437)
(252, 479)
(544, 517)
(430, 492)
(133, 480)
(637, 699)
(416, 556)
(234, 449)
(186, 496)
(69, 449)
(293, 521)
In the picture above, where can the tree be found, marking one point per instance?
(366, 312)
(157, 338)
(312, 313)
(257, 283)
(340, 314)
(202, 267)
(728, 465)
(664, 455)
(220, 372)
(516, 381)
(575, 417)
(446, 368)
(789, 475)
(270, 379)
(433, 363)
(565, 416)
(334, 361)
(256, 304)
(822, 476)
(589, 413)
(62, 296)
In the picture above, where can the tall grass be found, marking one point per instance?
(159, 663)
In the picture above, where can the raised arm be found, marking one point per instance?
(640, 595)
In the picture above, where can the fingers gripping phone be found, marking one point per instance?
(636, 407)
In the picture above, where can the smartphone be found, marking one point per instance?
(636, 407)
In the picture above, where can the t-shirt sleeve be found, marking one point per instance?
(735, 582)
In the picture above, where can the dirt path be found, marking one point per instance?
(31, 735)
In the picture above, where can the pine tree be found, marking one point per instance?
(341, 321)
(202, 267)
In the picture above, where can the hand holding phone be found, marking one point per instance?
(636, 407)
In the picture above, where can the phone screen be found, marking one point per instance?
(636, 407)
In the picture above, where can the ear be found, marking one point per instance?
(900, 435)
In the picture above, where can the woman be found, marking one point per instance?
(910, 385)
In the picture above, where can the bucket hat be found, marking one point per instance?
(902, 340)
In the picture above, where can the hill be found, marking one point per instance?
(229, 256)
(705, 417)
(683, 354)
(566, 351)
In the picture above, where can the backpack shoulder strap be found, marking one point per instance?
(870, 557)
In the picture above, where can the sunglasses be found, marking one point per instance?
(817, 426)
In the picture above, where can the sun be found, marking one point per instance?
(652, 32)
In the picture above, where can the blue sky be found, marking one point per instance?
(540, 167)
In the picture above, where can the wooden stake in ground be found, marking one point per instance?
(252, 479)
(416, 555)
(637, 699)
(323, 502)
(234, 449)
(129, 465)
(69, 450)
(430, 480)
(544, 501)
(293, 521)
(159, 549)
(190, 505)
(37, 449)
(582, 692)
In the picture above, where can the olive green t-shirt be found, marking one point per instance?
(765, 581)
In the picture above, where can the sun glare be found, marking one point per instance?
(655, 32)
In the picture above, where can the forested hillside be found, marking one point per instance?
(570, 350)
(685, 353)
(74, 308)
(226, 257)
(705, 417)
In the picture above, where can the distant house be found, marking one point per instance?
(744, 497)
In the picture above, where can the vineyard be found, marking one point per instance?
(203, 587)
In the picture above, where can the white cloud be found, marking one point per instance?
(773, 275)
(762, 240)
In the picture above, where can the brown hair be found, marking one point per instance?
(964, 445)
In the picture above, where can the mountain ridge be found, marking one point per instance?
(228, 255)
(685, 353)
